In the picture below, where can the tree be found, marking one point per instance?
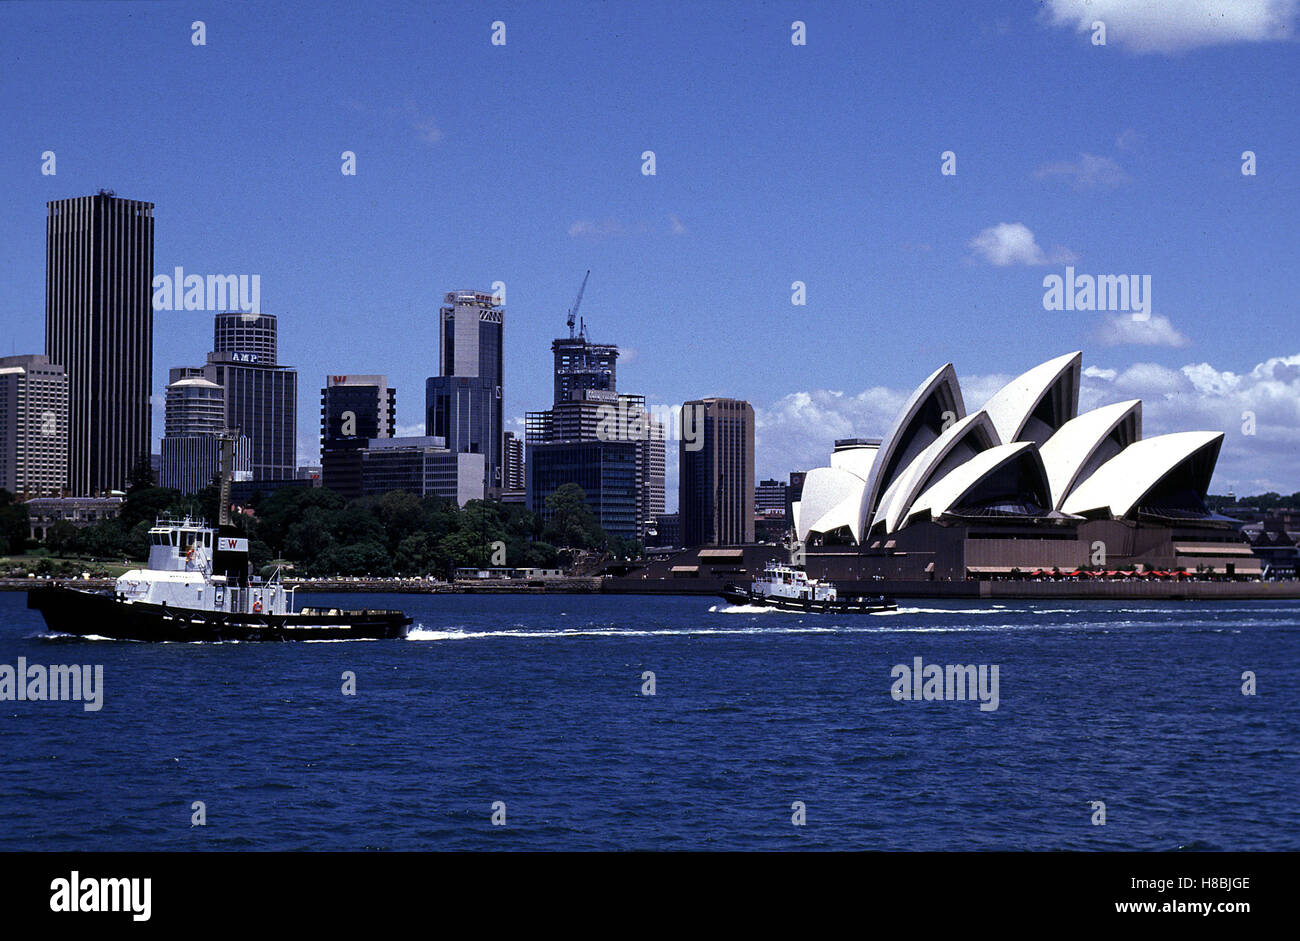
(573, 525)
(14, 524)
(62, 538)
(141, 475)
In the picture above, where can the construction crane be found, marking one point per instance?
(573, 311)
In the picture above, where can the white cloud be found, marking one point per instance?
(1012, 243)
(594, 229)
(1124, 330)
(1088, 172)
(1171, 26)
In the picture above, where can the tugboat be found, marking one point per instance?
(790, 589)
(196, 587)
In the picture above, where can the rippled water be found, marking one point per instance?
(536, 702)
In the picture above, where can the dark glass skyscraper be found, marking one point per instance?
(715, 486)
(463, 404)
(99, 326)
(353, 410)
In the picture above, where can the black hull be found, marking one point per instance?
(73, 611)
(879, 603)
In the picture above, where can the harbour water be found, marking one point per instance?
(537, 706)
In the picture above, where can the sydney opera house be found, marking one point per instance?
(1023, 484)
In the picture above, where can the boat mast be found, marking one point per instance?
(227, 439)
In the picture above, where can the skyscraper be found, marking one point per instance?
(33, 427)
(99, 327)
(463, 402)
(261, 395)
(190, 452)
(514, 462)
(603, 440)
(715, 493)
(354, 409)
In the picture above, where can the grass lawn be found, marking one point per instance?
(28, 563)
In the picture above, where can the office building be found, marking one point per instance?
(770, 497)
(33, 427)
(514, 462)
(422, 466)
(261, 395)
(190, 451)
(99, 327)
(354, 410)
(463, 403)
(605, 470)
(716, 481)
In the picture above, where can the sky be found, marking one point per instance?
(775, 162)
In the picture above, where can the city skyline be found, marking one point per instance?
(844, 196)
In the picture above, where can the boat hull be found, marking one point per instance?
(75, 611)
(853, 605)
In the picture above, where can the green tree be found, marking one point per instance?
(572, 525)
(62, 538)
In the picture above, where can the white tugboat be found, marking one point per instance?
(196, 586)
(791, 589)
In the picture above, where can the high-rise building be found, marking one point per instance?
(33, 427)
(190, 452)
(605, 470)
(261, 395)
(463, 403)
(354, 410)
(99, 327)
(770, 497)
(253, 337)
(422, 466)
(514, 462)
(716, 481)
(582, 365)
(588, 410)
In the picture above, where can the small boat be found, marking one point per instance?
(196, 587)
(790, 589)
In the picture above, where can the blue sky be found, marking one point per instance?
(775, 163)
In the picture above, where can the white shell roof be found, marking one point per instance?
(897, 442)
(940, 498)
(831, 498)
(1013, 404)
(1120, 483)
(1068, 452)
(857, 461)
(905, 487)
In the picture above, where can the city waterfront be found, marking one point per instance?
(540, 703)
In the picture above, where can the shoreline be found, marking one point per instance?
(957, 591)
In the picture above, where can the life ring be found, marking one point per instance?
(189, 554)
(257, 607)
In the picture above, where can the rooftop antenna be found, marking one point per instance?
(573, 311)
